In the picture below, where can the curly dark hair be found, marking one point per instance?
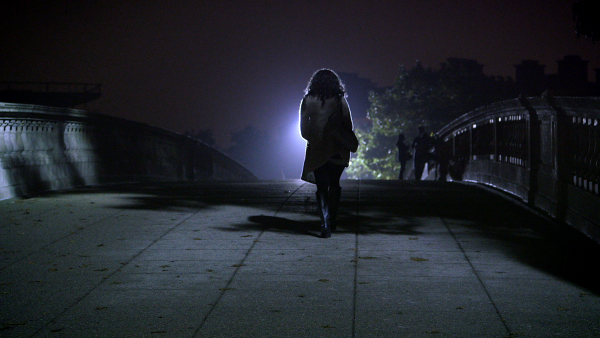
(325, 84)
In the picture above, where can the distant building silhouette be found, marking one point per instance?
(466, 67)
(571, 78)
(530, 77)
(572, 75)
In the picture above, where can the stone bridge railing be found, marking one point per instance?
(545, 151)
(44, 148)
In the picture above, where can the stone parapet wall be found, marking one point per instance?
(44, 149)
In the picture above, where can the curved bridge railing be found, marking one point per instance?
(545, 151)
(44, 148)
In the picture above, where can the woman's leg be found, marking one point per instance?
(328, 195)
(323, 181)
(335, 192)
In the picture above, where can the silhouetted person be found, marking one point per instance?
(421, 144)
(403, 154)
(324, 111)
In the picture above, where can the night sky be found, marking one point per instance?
(227, 64)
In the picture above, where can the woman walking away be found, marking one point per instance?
(326, 125)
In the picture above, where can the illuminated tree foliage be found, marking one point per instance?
(425, 97)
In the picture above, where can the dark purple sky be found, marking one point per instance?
(225, 64)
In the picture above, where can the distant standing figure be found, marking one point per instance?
(324, 111)
(421, 144)
(403, 154)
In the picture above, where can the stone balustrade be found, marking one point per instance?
(44, 149)
(545, 151)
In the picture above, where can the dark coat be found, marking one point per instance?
(321, 146)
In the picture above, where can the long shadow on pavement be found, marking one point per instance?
(552, 248)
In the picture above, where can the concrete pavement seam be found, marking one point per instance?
(487, 293)
(78, 300)
(56, 241)
(239, 266)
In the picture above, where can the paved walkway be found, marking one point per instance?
(244, 260)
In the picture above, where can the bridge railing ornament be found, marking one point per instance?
(544, 150)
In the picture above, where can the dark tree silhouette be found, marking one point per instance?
(204, 135)
(257, 151)
(587, 19)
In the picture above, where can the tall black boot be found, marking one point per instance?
(334, 202)
(322, 201)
